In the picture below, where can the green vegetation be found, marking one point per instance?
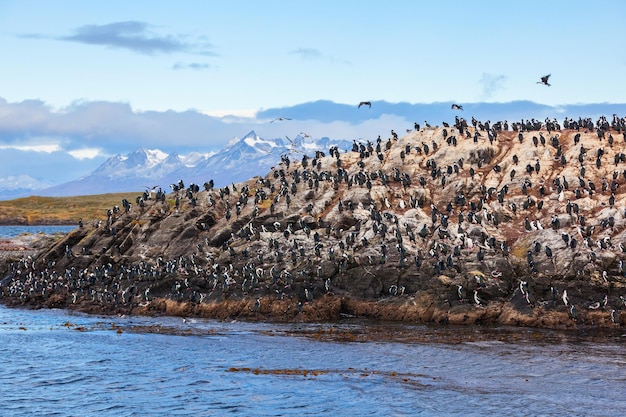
(60, 210)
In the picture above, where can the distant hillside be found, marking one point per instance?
(60, 210)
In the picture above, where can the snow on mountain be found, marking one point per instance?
(142, 163)
(240, 160)
(14, 182)
(194, 158)
(15, 186)
(155, 156)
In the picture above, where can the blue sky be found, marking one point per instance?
(94, 78)
(245, 55)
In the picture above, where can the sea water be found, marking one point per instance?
(59, 363)
(12, 231)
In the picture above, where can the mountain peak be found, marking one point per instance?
(251, 134)
(234, 141)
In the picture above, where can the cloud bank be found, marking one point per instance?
(138, 37)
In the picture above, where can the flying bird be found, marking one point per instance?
(280, 119)
(293, 146)
(456, 107)
(544, 80)
(365, 103)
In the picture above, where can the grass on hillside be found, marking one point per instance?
(60, 210)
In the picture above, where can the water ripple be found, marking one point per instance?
(351, 369)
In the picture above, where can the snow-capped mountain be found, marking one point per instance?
(137, 163)
(240, 160)
(15, 186)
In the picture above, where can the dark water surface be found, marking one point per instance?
(57, 363)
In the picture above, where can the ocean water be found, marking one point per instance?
(59, 363)
(12, 231)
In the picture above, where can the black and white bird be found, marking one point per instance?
(544, 80)
(280, 119)
(461, 292)
(477, 299)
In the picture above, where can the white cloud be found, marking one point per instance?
(236, 113)
(50, 148)
(85, 153)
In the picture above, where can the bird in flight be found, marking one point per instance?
(544, 80)
(365, 103)
(456, 107)
(280, 119)
(293, 146)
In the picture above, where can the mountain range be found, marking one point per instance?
(142, 169)
(21, 185)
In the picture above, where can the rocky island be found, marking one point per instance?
(476, 222)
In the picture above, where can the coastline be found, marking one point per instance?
(332, 309)
(24, 245)
(40, 222)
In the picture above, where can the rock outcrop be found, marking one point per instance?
(453, 224)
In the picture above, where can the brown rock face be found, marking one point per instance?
(450, 225)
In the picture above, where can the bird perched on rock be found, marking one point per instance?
(461, 292)
(477, 299)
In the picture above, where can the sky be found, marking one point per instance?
(89, 79)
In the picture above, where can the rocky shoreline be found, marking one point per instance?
(23, 246)
(460, 225)
(332, 308)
